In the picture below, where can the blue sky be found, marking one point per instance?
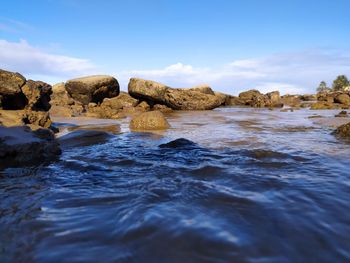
(230, 45)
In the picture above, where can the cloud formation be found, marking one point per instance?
(28, 60)
(294, 72)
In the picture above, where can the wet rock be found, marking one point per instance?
(342, 114)
(179, 143)
(177, 99)
(343, 131)
(20, 146)
(85, 137)
(92, 88)
(152, 120)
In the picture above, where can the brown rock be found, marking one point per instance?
(92, 88)
(343, 131)
(152, 120)
(38, 95)
(162, 108)
(342, 114)
(147, 90)
(342, 99)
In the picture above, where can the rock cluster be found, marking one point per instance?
(332, 100)
(23, 102)
(255, 99)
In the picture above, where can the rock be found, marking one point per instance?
(38, 95)
(177, 99)
(249, 95)
(117, 107)
(343, 131)
(291, 100)
(274, 97)
(180, 143)
(162, 108)
(324, 105)
(203, 89)
(92, 88)
(342, 99)
(152, 120)
(222, 97)
(62, 104)
(20, 146)
(12, 97)
(342, 114)
(34, 119)
(233, 101)
(81, 138)
(147, 90)
(308, 97)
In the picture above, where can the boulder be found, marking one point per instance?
(20, 146)
(162, 108)
(180, 99)
(38, 95)
(177, 99)
(12, 97)
(62, 104)
(342, 99)
(324, 105)
(274, 97)
(92, 88)
(152, 120)
(343, 131)
(291, 100)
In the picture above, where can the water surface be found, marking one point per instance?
(246, 185)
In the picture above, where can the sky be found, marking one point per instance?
(231, 45)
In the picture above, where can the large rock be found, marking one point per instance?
(343, 131)
(177, 99)
(38, 95)
(274, 97)
(62, 104)
(11, 95)
(34, 119)
(203, 89)
(152, 120)
(342, 98)
(92, 88)
(20, 146)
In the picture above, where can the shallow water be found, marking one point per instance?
(252, 186)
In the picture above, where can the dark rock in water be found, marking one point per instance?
(342, 114)
(343, 131)
(83, 138)
(179, 143)
(19, 146)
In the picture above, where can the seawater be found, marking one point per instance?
(243, 185)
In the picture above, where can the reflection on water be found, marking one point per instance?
(243, 185)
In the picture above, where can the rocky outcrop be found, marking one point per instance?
(118, 107)
(21, 146)
(92, 88)
(342, 114)
(152, 120)
(332, 100)
(253, 98)
(343, 131)
(24, 102)
(178, 99)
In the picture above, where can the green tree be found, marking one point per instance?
(323, 87)
(340, 83)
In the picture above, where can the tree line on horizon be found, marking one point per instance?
(341, 83)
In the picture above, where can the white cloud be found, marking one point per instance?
(294, 72)
(34, 62)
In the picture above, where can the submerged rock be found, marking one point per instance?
(92, 88)
(342, 114)
(179, 143)
(21, 146)
(152, 120)
(197, 98)
(81, 138)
